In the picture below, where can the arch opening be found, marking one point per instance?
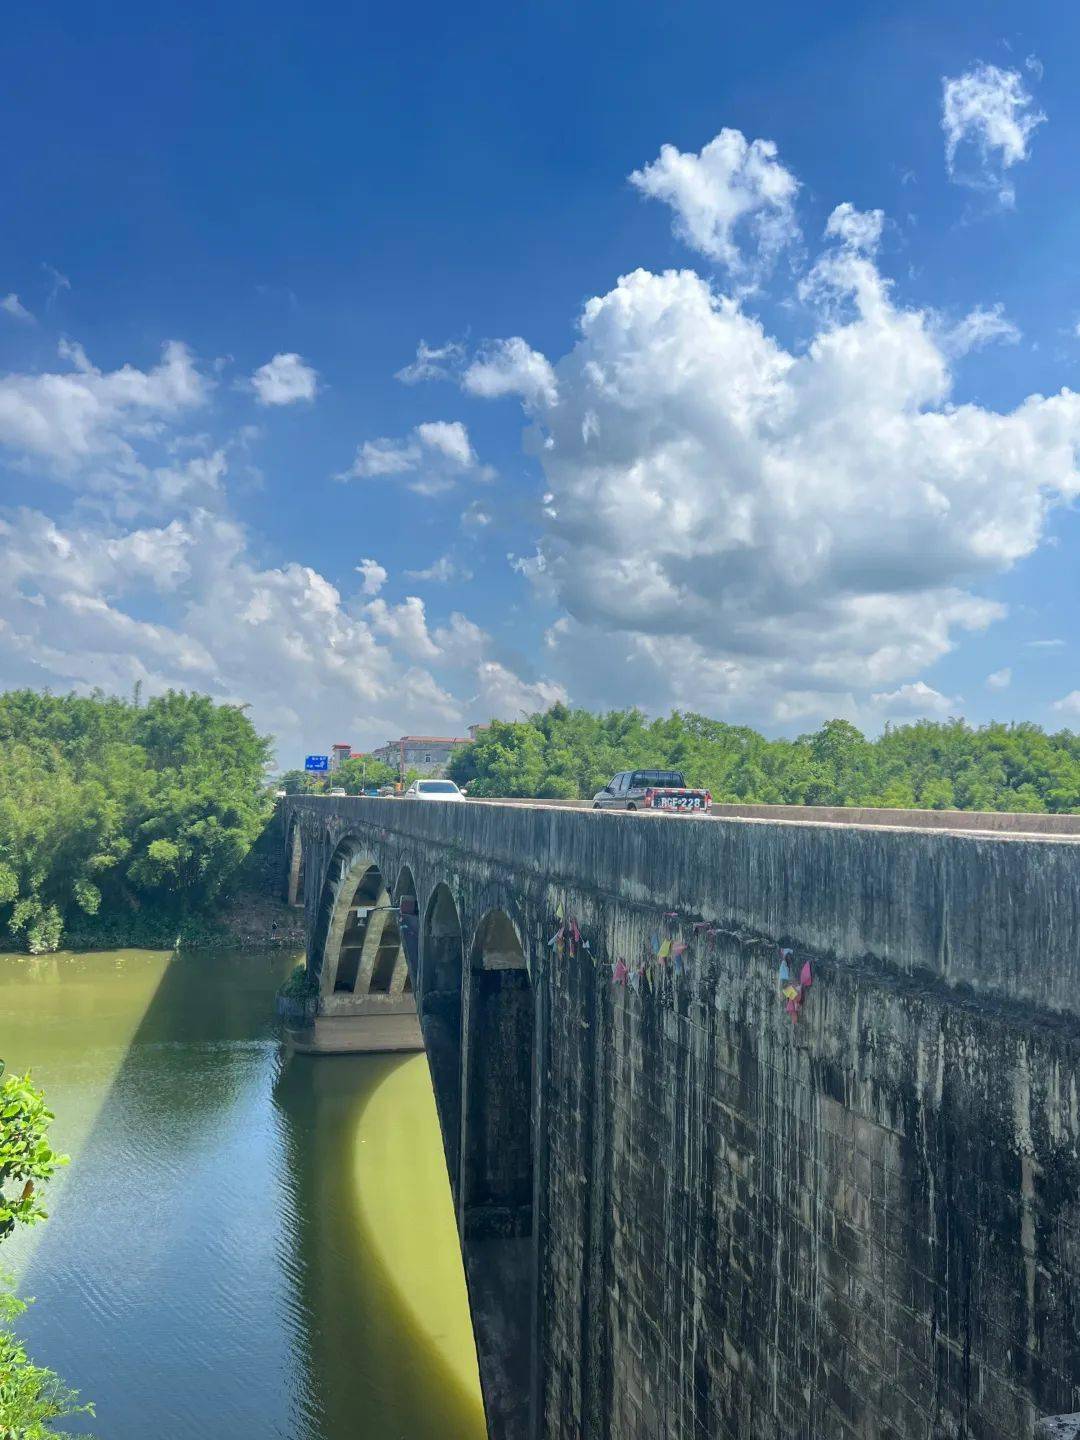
(364, 901)
(388, 954)
(408, 918)
(497, 1205)
(497, 1182)
(440, 1018)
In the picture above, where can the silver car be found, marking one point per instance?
(651, 790)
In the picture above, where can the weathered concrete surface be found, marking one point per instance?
(997, 821)
(866, 1224)
(1058, 1427)
(993, 820)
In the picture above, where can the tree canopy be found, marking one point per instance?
(566, 753)
(105, 802)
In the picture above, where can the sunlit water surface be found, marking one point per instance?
(243, 1245)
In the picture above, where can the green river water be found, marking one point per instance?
(245, 1245)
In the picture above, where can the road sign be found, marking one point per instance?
(316, 762)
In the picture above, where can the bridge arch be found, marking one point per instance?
(497, 1159)
(441, 965)
(405, 889)
(408, 916)
(356, 945)
(497, 1208)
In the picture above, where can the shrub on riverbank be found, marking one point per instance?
(120, 816)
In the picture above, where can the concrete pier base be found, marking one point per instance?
(357, 1035)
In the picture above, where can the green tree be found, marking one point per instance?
(106, 803)
(359, 772)
(296, 782)
(934, 764)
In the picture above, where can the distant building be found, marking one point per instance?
(339, 754)
(426, 754)
(474, 730)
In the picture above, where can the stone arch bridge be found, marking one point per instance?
(755, 1127)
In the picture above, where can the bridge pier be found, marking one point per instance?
(365, 1002)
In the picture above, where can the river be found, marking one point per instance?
(244, 1245)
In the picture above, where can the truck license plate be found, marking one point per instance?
(680, 802)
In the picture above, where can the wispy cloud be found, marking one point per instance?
(988, 117)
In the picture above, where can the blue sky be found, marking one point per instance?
(804, 459)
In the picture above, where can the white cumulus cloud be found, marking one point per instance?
(373, 576)
(84, 413)
(13, 306)
(859, 229)
(313, 664)
(988, 116)
(999, 679)
(433, 455)
(733, 201)
(511, 367)
(796, 528)
(915, 700)
(284, 380)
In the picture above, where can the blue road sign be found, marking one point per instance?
(317, 762)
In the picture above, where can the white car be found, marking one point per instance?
(433, 790)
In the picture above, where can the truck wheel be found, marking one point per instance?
(631, 806)
(596, 807)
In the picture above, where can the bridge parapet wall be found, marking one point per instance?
(997, 912)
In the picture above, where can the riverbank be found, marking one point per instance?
(247, 920)
(250, 915)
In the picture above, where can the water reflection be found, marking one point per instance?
(378, 1264)
(239, 1248)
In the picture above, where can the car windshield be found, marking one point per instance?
(438, 787)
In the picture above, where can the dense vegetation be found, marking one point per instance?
(939, 766)
(109, 808)
(31, 1397)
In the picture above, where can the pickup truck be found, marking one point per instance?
(652, 790)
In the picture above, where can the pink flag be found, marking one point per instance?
(806, 978)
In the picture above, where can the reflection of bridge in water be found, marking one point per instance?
(682, 1214)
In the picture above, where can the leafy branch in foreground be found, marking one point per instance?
(26, 1157)
(31, 1396)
